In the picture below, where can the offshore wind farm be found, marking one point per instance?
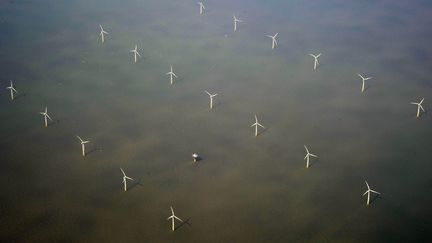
(297, 147)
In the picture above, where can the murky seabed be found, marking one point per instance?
(245, 189)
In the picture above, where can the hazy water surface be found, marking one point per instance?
(245, 189)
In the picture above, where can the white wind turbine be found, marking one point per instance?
(171, 74)
(307, 157)
(46, 116)
(201, 6)
(419, 106)
(236, 20)
(102, 33)
(211, 98)
(173, 218)
(136, 53)
(256, 124)
(273, 37)
(363, 81)
(316, 63)
(195, 157)
(83, 143)
(12, 90)
(368, 192)
(125, 178)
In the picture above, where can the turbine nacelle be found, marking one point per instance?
(256, 125)
(83, 143)
(236, 20)
(419, 107)
(45, 114)
(202, 7)
(12, 90)
(173, 217)
(102, 33)
(171, 74)
(211, 96)
(363, 81)
(135, 52)
(125, 178)
(274, 41)
(368, 192)
(308, 155)
(316, 63)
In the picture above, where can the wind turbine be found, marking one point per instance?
(102, 33)
(45, 114)
(235, 22)
(201, 6)
(307, 157)
(368, 192)
(136, 53)
(274, 42)
(173, 218)
(419, 106)
(256, 124)
(316, 63)
(363, 81)
(171, 74)
(12, 90)
(82, 145)
(125, 178)
(195, 157)
(211, 98)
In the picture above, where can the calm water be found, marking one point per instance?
(245, 189)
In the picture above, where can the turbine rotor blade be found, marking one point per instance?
(375, 192)
(367, 185)
(178, 218)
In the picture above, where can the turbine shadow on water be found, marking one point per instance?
(367, 86)
(185, 222)
(135, 184)
(20, 96)
(94, 149)
(375, 197)
(54, 123)
(313, 161)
